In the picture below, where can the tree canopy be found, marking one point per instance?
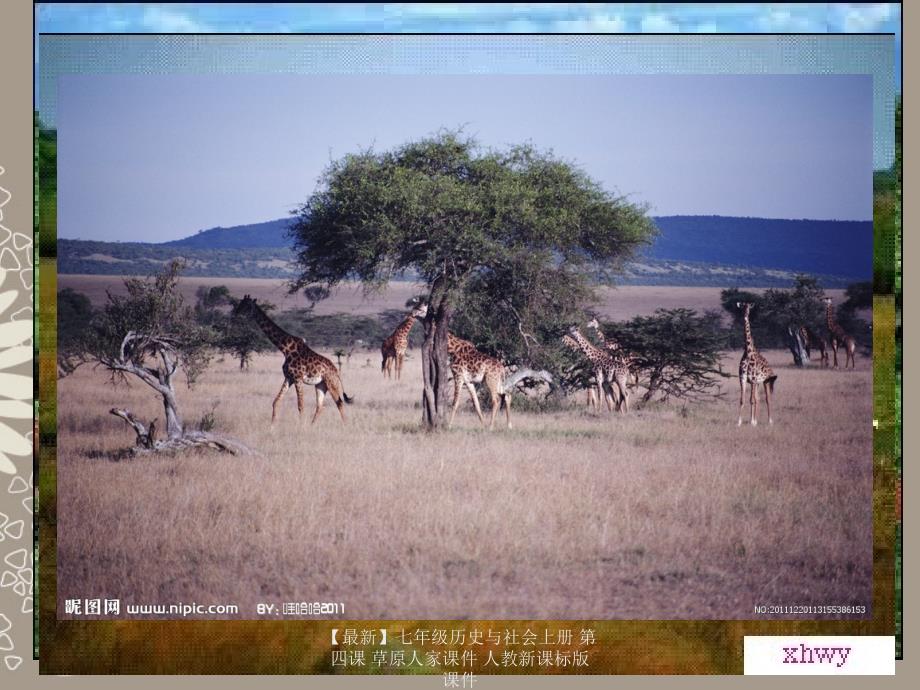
(74, 312)
(677, 350)
(150, 334)
(775, 310)
(459, 216)
(444, 207)
(240, 337)
(779, 314)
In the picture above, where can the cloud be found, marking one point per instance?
(447, 10)
(516, 17)
(523, 26)
(706, 28)
(864, 18)
(600, 23)
(658, 23)
(781, 19)
(158, 19)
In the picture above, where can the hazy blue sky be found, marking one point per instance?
(154, 158)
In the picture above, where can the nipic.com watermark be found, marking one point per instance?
(113, 607)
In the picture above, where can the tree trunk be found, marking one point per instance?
(654, 383)
(146, 436)
(174, 427)
(796, 346)
(161, 380)
(435, 366)
(146, 439)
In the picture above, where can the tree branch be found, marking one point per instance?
(526, 373)
(145, 436)
(520, 326)
(142, 373)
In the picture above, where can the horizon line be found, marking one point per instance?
(667, 215)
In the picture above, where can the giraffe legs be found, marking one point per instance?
(496, 398)
(601, 389)
(834, 348)
(333, 385)
(298, 388)
(472, 390)
(475, 398)
(399, 364)
(754, 403)
(741, 405)
(851, 353)
(507, 397)
(453, 409)
(623, 403)
(592, 400)
(340, 404)
(766, 395)
(613, 397)
(386, 365)
(320, 397)
(277, 400)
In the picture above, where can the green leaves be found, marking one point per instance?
(677, 350)
(241, 337)
(497, 236)
(776, 310)
(443, 206)
(154, 308)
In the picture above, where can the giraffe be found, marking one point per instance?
(456, 344)
(301, 364)
(754, 369)
(393, 349)
(810, 338)
(839, 337)
(469, 366)
(613, 347)
(611, 373)
(591, 390)
(602, 387)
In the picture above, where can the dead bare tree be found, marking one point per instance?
(150, 334)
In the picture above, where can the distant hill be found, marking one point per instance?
(272, 233)
(691, 250)
(812, 246)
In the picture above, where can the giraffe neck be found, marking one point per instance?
(570, 342)
(831, 323)
(585, 344)
(279, 337)
(748, 336)
(402, 331)
(455, 344)
(609, 344)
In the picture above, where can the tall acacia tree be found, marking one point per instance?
(445, 209)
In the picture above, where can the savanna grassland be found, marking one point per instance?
(620, 303)
(669, 512)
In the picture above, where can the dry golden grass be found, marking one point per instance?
(670, 512)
